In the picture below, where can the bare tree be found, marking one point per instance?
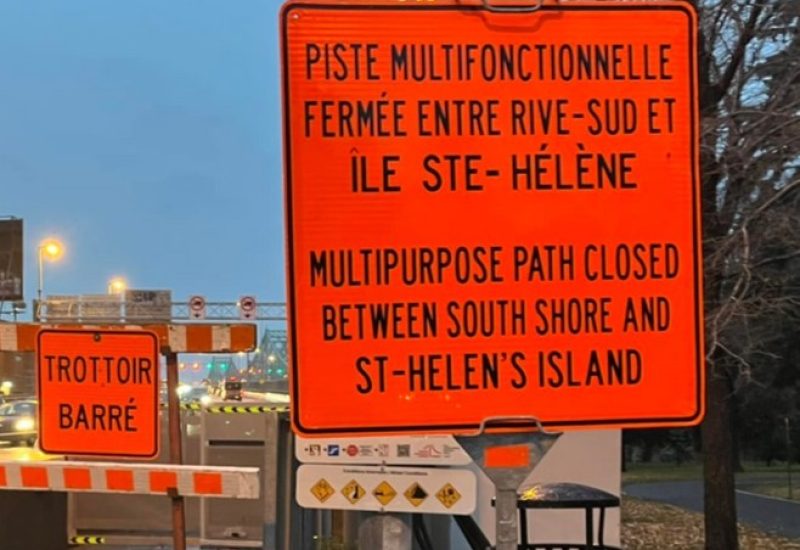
(750, 106)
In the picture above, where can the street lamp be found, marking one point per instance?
(117, 285)
(50, 250)
(241, 356)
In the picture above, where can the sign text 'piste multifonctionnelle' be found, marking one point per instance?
(492, 214)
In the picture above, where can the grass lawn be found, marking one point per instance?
(652, 472)
(649, 526)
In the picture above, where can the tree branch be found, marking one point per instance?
(748, 32)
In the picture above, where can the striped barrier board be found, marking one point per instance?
(185, 406)
(159, 540)
(244, 409)
(143, 479)
(231, 409)
(178, 338)
(80, 540)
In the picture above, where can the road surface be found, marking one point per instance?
(775, 515)
(25, 454)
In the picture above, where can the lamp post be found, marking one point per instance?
(243, 370)
(117, 285)
(51, 250)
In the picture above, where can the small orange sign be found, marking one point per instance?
(492, 213)
(98, 392)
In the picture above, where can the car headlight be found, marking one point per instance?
(24, 425)
(205, 400)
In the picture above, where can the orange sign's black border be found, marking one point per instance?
(692, 80)
(156, 355)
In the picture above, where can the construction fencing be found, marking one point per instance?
(254, 437)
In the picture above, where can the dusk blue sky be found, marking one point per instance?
(147, 136)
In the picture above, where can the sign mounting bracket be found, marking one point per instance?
(513, 9)
(507, 459)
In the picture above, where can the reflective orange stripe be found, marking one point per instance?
(77, 478)
(199, 337)
(26, 337)
(510, 456)
(3, 481)
(161, 482)
(119, 480)
(242, 337)
(208, 484)
(34, 476)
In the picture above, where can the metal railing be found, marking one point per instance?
(79, 311)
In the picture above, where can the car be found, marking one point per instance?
(196, 394)
(231, 390)
(18, 423)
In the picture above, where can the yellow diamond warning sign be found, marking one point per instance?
(384, 492)
(397, 490)
(322, 490)
(415, 494)
(448, 495)
(353, 491)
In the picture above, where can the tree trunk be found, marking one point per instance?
(718, 463)
(734, 415)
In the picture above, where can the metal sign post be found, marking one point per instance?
(507, 459)
(175, 450)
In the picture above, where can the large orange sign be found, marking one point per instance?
(98, 392)
(492, 213)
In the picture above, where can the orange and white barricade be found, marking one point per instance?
(148, 479)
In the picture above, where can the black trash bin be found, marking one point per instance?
(552, 496)
(562, 496)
